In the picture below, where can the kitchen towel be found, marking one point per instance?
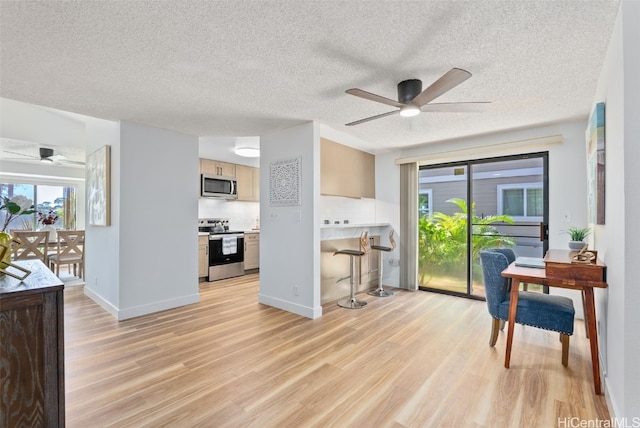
(229, 245)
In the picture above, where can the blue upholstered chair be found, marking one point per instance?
(555, 313)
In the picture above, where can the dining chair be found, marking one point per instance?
(548, 312)
(70, 252)
(33, 245)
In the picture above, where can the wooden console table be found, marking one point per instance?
(32, 349)
(560, 272)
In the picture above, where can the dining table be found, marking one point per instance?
(561, 271)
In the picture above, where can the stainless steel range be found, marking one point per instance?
(226, 248)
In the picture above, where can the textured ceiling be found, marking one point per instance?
(232, 68)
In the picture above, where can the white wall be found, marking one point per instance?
(102, 267)
(147, 260)
(617, 241)
(290, 235)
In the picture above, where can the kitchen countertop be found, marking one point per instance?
(342, 231)
(343, 226)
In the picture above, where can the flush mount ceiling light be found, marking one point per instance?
(248, 147)
(248, 152)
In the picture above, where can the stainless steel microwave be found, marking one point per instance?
(215, 186)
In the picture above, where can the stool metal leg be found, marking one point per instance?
(351, 302)
(380, 292)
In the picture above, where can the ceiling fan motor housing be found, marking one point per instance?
(45, 153)
(408, 90)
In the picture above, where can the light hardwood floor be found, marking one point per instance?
(416, 359)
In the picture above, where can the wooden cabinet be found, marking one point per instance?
(214, 167)
(203, 256)
(251, 251)
(345, 171)
(248, 183)
(32, 349)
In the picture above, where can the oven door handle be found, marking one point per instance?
(219, 237)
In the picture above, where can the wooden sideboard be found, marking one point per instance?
(32, 349)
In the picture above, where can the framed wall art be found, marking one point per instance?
(596, 165)
(284, 181)
(99, 187)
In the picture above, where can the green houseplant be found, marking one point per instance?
(14, 207)
(577, 235)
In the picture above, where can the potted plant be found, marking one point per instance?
(577, 235)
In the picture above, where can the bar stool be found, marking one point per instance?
(351, 302)
(381, 292)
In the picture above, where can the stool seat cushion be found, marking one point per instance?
(381, 248)
(350, 252)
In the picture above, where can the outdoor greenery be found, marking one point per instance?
(442, 241)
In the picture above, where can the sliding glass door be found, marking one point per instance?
(470, 206)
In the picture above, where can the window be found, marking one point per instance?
(59, 199)
(521, 201)
(424, 202)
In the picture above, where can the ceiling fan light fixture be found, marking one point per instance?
(409, 110)
(248, 152)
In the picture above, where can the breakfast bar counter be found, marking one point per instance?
(336, 237)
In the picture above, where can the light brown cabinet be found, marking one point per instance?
(214, 167)
(251, 251)
(248, 179)
(203, 256)
(345, 171)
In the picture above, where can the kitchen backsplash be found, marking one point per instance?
(241, 215)
(357, 211)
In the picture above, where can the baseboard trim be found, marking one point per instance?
(136, 311)
(295, 308)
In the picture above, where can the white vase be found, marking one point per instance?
(52, 231)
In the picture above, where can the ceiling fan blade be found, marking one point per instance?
(448, 81)
(70, 162)
(62, 160)
(462, 107)
(358, 122)
(373, 97)
(22, 154)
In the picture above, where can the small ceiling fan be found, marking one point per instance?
(46, 155)
(412, 100)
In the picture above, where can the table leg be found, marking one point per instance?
(513, 307)
(593, 336)
(586, 321)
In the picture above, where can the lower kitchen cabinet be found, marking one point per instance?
(203, 256)
(251, 251)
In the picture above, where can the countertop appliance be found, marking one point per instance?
(226, 248)
(215, 186)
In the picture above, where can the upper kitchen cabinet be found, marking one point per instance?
(346, 171)
(248, 183)
(213, 167)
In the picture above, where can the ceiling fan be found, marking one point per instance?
(46, 155)
(412, 100)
